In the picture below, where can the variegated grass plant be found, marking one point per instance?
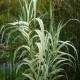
(46, 54)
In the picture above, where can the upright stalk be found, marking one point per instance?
(52, 5)
(34, 6)
(51, 16)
